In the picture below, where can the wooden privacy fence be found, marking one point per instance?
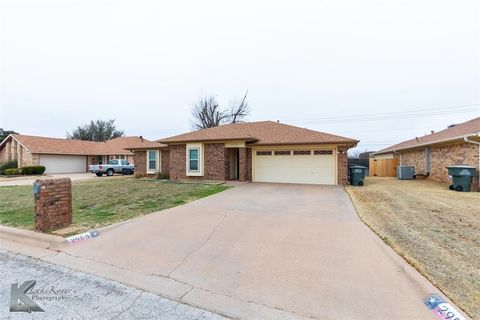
(383, 167)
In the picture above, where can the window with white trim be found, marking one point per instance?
(152, 161)
(194, 159)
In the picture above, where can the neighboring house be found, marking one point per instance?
(431, 154)
(65, 155)
(254, 151)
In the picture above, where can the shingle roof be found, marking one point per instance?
(457, 132)
(48, 145)
(259, 133)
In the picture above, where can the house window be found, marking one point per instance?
(264, 153)
(302, 152)
(282, 153)
(322, 152)
(194, 159)
(152, 163)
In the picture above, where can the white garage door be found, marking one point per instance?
(295, 166)
(63, 164)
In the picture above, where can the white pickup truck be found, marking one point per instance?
(113, 166)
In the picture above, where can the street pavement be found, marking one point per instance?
(29, 180)
(67, 294)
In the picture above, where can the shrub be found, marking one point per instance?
(40, 169)
(33, 170)
(162, 176)
(27, 170)
(13, 172)
(138, 175)
(8, 165)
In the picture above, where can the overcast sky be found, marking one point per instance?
(306, 63)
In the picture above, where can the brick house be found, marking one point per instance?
(431, 154)
(65, 155)
(254, 151)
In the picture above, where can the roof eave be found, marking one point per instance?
(347, 143)
(205, 140)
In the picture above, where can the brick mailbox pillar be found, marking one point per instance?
(53, 203)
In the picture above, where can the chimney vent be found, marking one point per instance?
(141, 138)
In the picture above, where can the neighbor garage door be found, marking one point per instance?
(295, 166)
(63, 164)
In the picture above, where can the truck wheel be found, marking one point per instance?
(99, 174)
(110, 172)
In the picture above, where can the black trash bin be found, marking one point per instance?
(462, 177)
(356, 175)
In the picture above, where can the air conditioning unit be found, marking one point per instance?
(405, 172)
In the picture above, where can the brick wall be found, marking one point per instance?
(214, 167)
(140, 161)
(177, 161)
(4, 154)
(15, 151)
(165, 161)
(215, 162)
(441, 157)
(53, 204)
(342, 165)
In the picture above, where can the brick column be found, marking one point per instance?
(242, 164)
(342, 165)
(53, 203)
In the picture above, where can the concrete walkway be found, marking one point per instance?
(257, 251)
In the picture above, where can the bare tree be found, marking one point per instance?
(207, 113)
(239, 110)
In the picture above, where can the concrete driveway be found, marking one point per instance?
(261, 251)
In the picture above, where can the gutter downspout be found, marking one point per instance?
(478, 144)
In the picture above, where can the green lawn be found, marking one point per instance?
(105, 201)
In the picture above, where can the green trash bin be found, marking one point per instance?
(462, 177)
(356, 175)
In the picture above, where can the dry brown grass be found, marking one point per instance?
(434, 229)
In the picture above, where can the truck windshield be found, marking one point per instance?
(113, 162)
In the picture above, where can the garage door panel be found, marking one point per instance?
(63, 163)
(312, 169)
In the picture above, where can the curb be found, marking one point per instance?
(32, 238)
